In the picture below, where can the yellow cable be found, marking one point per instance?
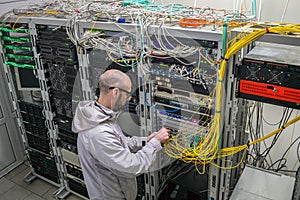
(207, 149)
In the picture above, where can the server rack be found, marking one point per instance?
(52, 57)
(29, 101)
(50, 53)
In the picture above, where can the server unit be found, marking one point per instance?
(22, 73)
(270, 73)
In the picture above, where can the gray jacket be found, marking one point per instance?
(110, 161)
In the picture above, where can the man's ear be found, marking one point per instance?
(115, 91)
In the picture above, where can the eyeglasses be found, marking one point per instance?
(127, 92)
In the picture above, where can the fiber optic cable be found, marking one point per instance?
(208, 151)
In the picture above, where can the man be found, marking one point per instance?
(110, 161)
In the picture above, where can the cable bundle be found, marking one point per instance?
(206, 150)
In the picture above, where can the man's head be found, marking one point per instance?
(115, 89)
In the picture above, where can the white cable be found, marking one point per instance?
(285, 9)
(195, 3)
(259, 10)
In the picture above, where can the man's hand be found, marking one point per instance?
(151, 136)
(162, 135)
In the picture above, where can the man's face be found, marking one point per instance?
(123, 97)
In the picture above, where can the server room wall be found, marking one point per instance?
(271, 10)
(6, 5)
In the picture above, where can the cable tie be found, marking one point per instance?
(218, 111)
(267, 29)
(248, 144)
(283, 127)
(226, 59)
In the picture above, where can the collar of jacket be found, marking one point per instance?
(112, 114)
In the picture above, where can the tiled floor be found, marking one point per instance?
(13, 187)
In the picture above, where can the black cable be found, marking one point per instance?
(174, 171)
(278, 161)
(282, 158)
(255, 147)
(284, 170)
(256, 134)
(257, 129)
(298, 148)
(260, 159)
(285, 118)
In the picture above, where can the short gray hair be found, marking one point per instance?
(111, 78)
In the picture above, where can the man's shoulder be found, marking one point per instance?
(99, 130)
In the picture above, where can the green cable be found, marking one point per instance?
(17, 48)
(224, 38)
(169, 8)
(14, 64)
(9, 55)
(20, 39)
(254, 7)
(20, 30)
(139, 2)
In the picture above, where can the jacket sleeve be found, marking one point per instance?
(110, 152)
(135, 143)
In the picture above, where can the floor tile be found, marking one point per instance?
(73, 197)
(34, 197)
(38, 187)
(49, 194)
(15, 193)
(17, 189)
(5, 185)
(16, 171)
(19, 179)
